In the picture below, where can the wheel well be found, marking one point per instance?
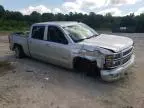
(22, 54)
(86, 65)
(15, 44)
(79, 60)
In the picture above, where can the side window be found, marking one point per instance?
(56, 35)
(38, 32)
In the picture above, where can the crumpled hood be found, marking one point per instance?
(112, 42)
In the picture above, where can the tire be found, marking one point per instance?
(82, 65)
(19, 53)
(88, 67)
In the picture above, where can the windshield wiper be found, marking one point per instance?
(79, 40)
(91, 36)
(86, 38)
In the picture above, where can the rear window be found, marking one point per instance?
(38, 32)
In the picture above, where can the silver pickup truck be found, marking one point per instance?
(77, 46)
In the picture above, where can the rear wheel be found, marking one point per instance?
(18, 52)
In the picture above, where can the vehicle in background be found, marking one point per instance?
(124, 29)
(77, 46)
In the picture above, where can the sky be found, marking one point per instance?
(115, 7)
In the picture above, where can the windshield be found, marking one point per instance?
(80, 32)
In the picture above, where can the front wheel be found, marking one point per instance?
(18, 52)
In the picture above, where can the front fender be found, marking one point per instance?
(98, 57)
(85, 50)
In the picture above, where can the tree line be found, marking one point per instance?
(13, 20)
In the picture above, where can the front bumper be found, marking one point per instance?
(115, 74)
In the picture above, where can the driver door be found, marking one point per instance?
(57, 47)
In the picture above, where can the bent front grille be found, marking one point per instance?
(123, 58)
(126, 55)
(126, 59)
(127, 52)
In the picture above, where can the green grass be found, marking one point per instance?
(14, 30)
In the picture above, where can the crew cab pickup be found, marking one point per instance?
(75, 45)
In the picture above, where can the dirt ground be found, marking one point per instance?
(34, 84)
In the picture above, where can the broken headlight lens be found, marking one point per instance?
(112, 57)
(112, 60)
(108, 61)
(109, 57)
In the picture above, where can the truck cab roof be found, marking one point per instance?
(58, 23)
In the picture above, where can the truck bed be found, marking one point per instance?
(21, 39)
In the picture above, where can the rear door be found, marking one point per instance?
(36, 42)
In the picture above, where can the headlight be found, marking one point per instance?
(112, 60)
(108, 61)
(112, 57)
(109, 57)
(112, 64)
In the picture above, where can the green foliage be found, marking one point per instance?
(11, 21)
(1, 11)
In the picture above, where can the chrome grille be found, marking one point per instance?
(116, 63)
(126, 59)
(127, 52)
(117, 56)
(126, 55)
(121, 58)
